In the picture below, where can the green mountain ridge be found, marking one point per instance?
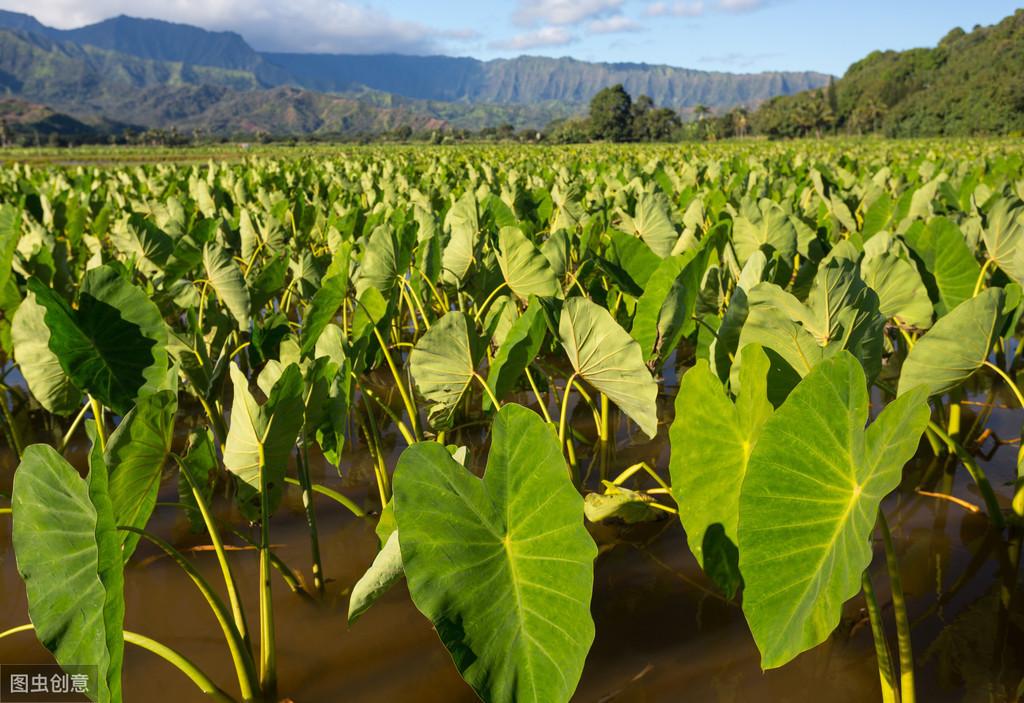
(970, 83)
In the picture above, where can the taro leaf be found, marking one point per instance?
(955, 347)
(902, 295)
(630, 262)
(652, 225)
(114, 346)
(68, 554)
(517, 351)
(201, 464)
(604, 355)
(773, 230)
(443, 364)
(809, 501)
(261, 438)
(40, 366)
(228, 283)
(622, 505)
(327, 300)
(525, 269)
(135, 456)
(460, 252)
(1003, 236)
(385, 572)
(712, 439)
(10, 231)
(502, 566)
(841, 313)
(380, 265)
(952, 269)
(648, 307)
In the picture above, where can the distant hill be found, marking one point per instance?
(971, 83)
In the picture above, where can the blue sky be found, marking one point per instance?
(728, 35)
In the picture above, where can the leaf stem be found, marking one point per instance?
(182, 663)
(899, 606)
(886, 675)
(97, 413)
(981, 276)
(1009, 381)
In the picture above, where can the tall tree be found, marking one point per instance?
(611, 114)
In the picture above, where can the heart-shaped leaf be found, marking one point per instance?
(525, 269)
(40, 366)
(443, 364)
(808, 503)
(502, 566)
(228, 283)
(604, 354)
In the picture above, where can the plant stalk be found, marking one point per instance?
(899, 606)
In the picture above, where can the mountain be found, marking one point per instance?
(23, 122)
(156, 73)
(970, 83)
(533, 79)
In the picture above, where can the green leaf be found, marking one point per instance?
(651, 224)
(261, 438)
(955, 347)
(525, 269)
(380, 265)
(952, 269)
(891, 273)
(1003, 236)
(114, 345)
(622, 505)
(327, 300)
(460, 252)
(517, 351)
(648, 307)
(384, 573)
(40, 366)
(228, 283)
(502, 566)
(604, 355)
(712, 439)
(69, 558)
(135, 457)
(443, 363)
(201, 464)
(809, 501)
(10, 231)
(772, 230)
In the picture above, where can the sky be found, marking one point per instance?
(723, 35)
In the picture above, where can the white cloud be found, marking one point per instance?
(740, 5)
(614, 25)
(681, 8)
(543, 37)
(339, 26)
(530, 13)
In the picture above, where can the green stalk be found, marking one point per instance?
(74, 426)
(373, 438)
(97, 413)
(268, 653)
(565, 409)
(981, 276)
(245, 669)
(540, 401)
(899, 606)
(487, 388)
(12, 429)
(886, 675)
(410, 407)
(333, 495)
(995, 513)
(230, 584)
(307, 503)
(182, 663)
(1009, 382)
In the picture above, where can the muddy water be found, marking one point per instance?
(662, 634)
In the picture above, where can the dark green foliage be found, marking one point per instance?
(611, 114)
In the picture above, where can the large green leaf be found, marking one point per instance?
(443, 363)
(385, 572)
(955, 347)
(114, 345)
(712, 439)
(526, 271)
(40, 366)
(648, 307)
(517, 351)
(135, 457)
(502, 566)
(463, 224)
(772, 230)
(228, 283)
(651, 224)
(261, 438)
(68, 554)
(10, 231)
(888, 270)
(808, 503)
(1003, 236)
(380, 265)
(952, 269)
(327, 300)
(603, 354)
